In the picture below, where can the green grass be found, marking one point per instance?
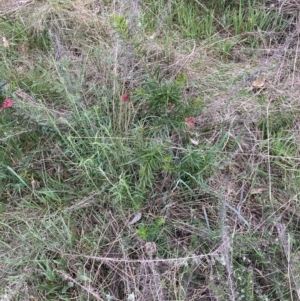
(123, 111)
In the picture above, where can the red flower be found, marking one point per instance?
(6, 104)
(190, 121)
(125, 97)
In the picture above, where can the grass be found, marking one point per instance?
(137, 161)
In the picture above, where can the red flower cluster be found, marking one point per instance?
(125, 97)
(190, 121)
(6, 104)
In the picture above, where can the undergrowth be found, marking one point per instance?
(139, 161)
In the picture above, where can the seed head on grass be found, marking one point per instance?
(171, 106)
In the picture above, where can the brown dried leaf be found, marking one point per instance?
(257, 190)
(135, 219)
(5, 42)
(195, 142)
(258, 83)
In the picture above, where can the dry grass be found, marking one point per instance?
(233, 238)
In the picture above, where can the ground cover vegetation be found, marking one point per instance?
(149, 150)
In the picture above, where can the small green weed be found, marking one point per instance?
(53, 286)
(151, 232)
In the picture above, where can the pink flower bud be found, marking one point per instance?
(190, 121)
